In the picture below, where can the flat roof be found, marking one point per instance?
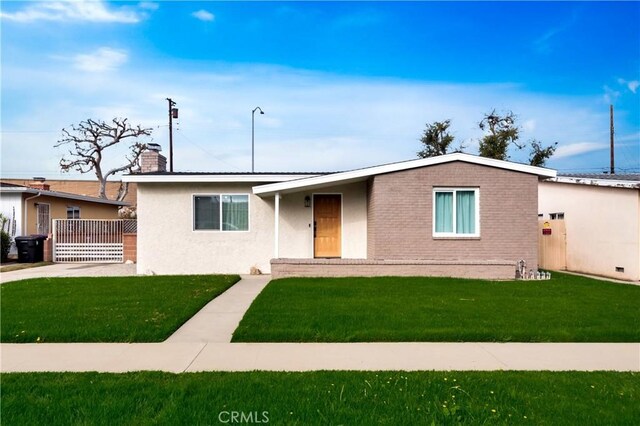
(205, 177)
(609, 181)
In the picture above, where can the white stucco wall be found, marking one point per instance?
(602, 226)
(9, 201)
(167, 243)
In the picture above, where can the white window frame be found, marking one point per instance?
(73, 209)
(454, 234)
(220, 194)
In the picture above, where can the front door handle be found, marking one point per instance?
(315, 228)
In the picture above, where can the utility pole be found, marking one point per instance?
(173, 113)
(613, 169)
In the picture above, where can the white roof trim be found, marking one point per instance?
(612, 183)
(362, 174)
(66, 195)
(204, 178)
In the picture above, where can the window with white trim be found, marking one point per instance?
(73, 212)
(456, 212)
(221, 212)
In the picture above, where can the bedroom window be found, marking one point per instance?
(221, 212)
(73, 212)
(456, 212)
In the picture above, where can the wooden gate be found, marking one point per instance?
(89, 240)
(552, 245)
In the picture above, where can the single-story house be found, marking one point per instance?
(32, 208)
(600, 217)
(452, 215)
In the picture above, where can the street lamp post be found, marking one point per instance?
(253, 126)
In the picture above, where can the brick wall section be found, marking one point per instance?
(400, 216)
(371, 218)
(284, 268)
(130, 247)
(152, 161)
(48, 249)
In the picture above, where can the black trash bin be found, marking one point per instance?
(31, 248)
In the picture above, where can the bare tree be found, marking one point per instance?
(91, 138)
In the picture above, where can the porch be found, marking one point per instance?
(484, 269)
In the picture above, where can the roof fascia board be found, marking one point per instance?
(360, 174)
(211, 178)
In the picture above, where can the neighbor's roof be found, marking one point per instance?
(19, 189)
(362, 174)
(203, 177)
(595, 179)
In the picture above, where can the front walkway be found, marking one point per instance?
(217, 321)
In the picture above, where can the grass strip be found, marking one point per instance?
(356, 398)
(567, 308)
(104, 309)
(19, 266)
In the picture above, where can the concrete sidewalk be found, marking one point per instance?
(71, 270)
(217, 321)
(192, 357)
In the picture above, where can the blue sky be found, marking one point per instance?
(343, 84)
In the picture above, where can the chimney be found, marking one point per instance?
(38, 183)
(152, 161)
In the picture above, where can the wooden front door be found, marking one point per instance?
(327, 225)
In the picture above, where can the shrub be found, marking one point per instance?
(5, 246)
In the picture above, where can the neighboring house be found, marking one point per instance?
(452, 215)
(90, 188)
(33, 208)
(601, 215)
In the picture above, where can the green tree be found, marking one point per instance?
(502, 132)
(436, 139)
(539, 154)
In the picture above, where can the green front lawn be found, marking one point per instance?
(567, 308)
(353, 398)
(104, 309)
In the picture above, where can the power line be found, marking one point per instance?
(181, 133)
(30, 131)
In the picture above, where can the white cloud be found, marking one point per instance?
(312, 122)
(148, 5)
(203, 15)
(76, 11)
(570, 150)
(529, 125)
(610, 95)
(632, 85)
(103, 59)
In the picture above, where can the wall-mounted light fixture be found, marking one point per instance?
(307, 201)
